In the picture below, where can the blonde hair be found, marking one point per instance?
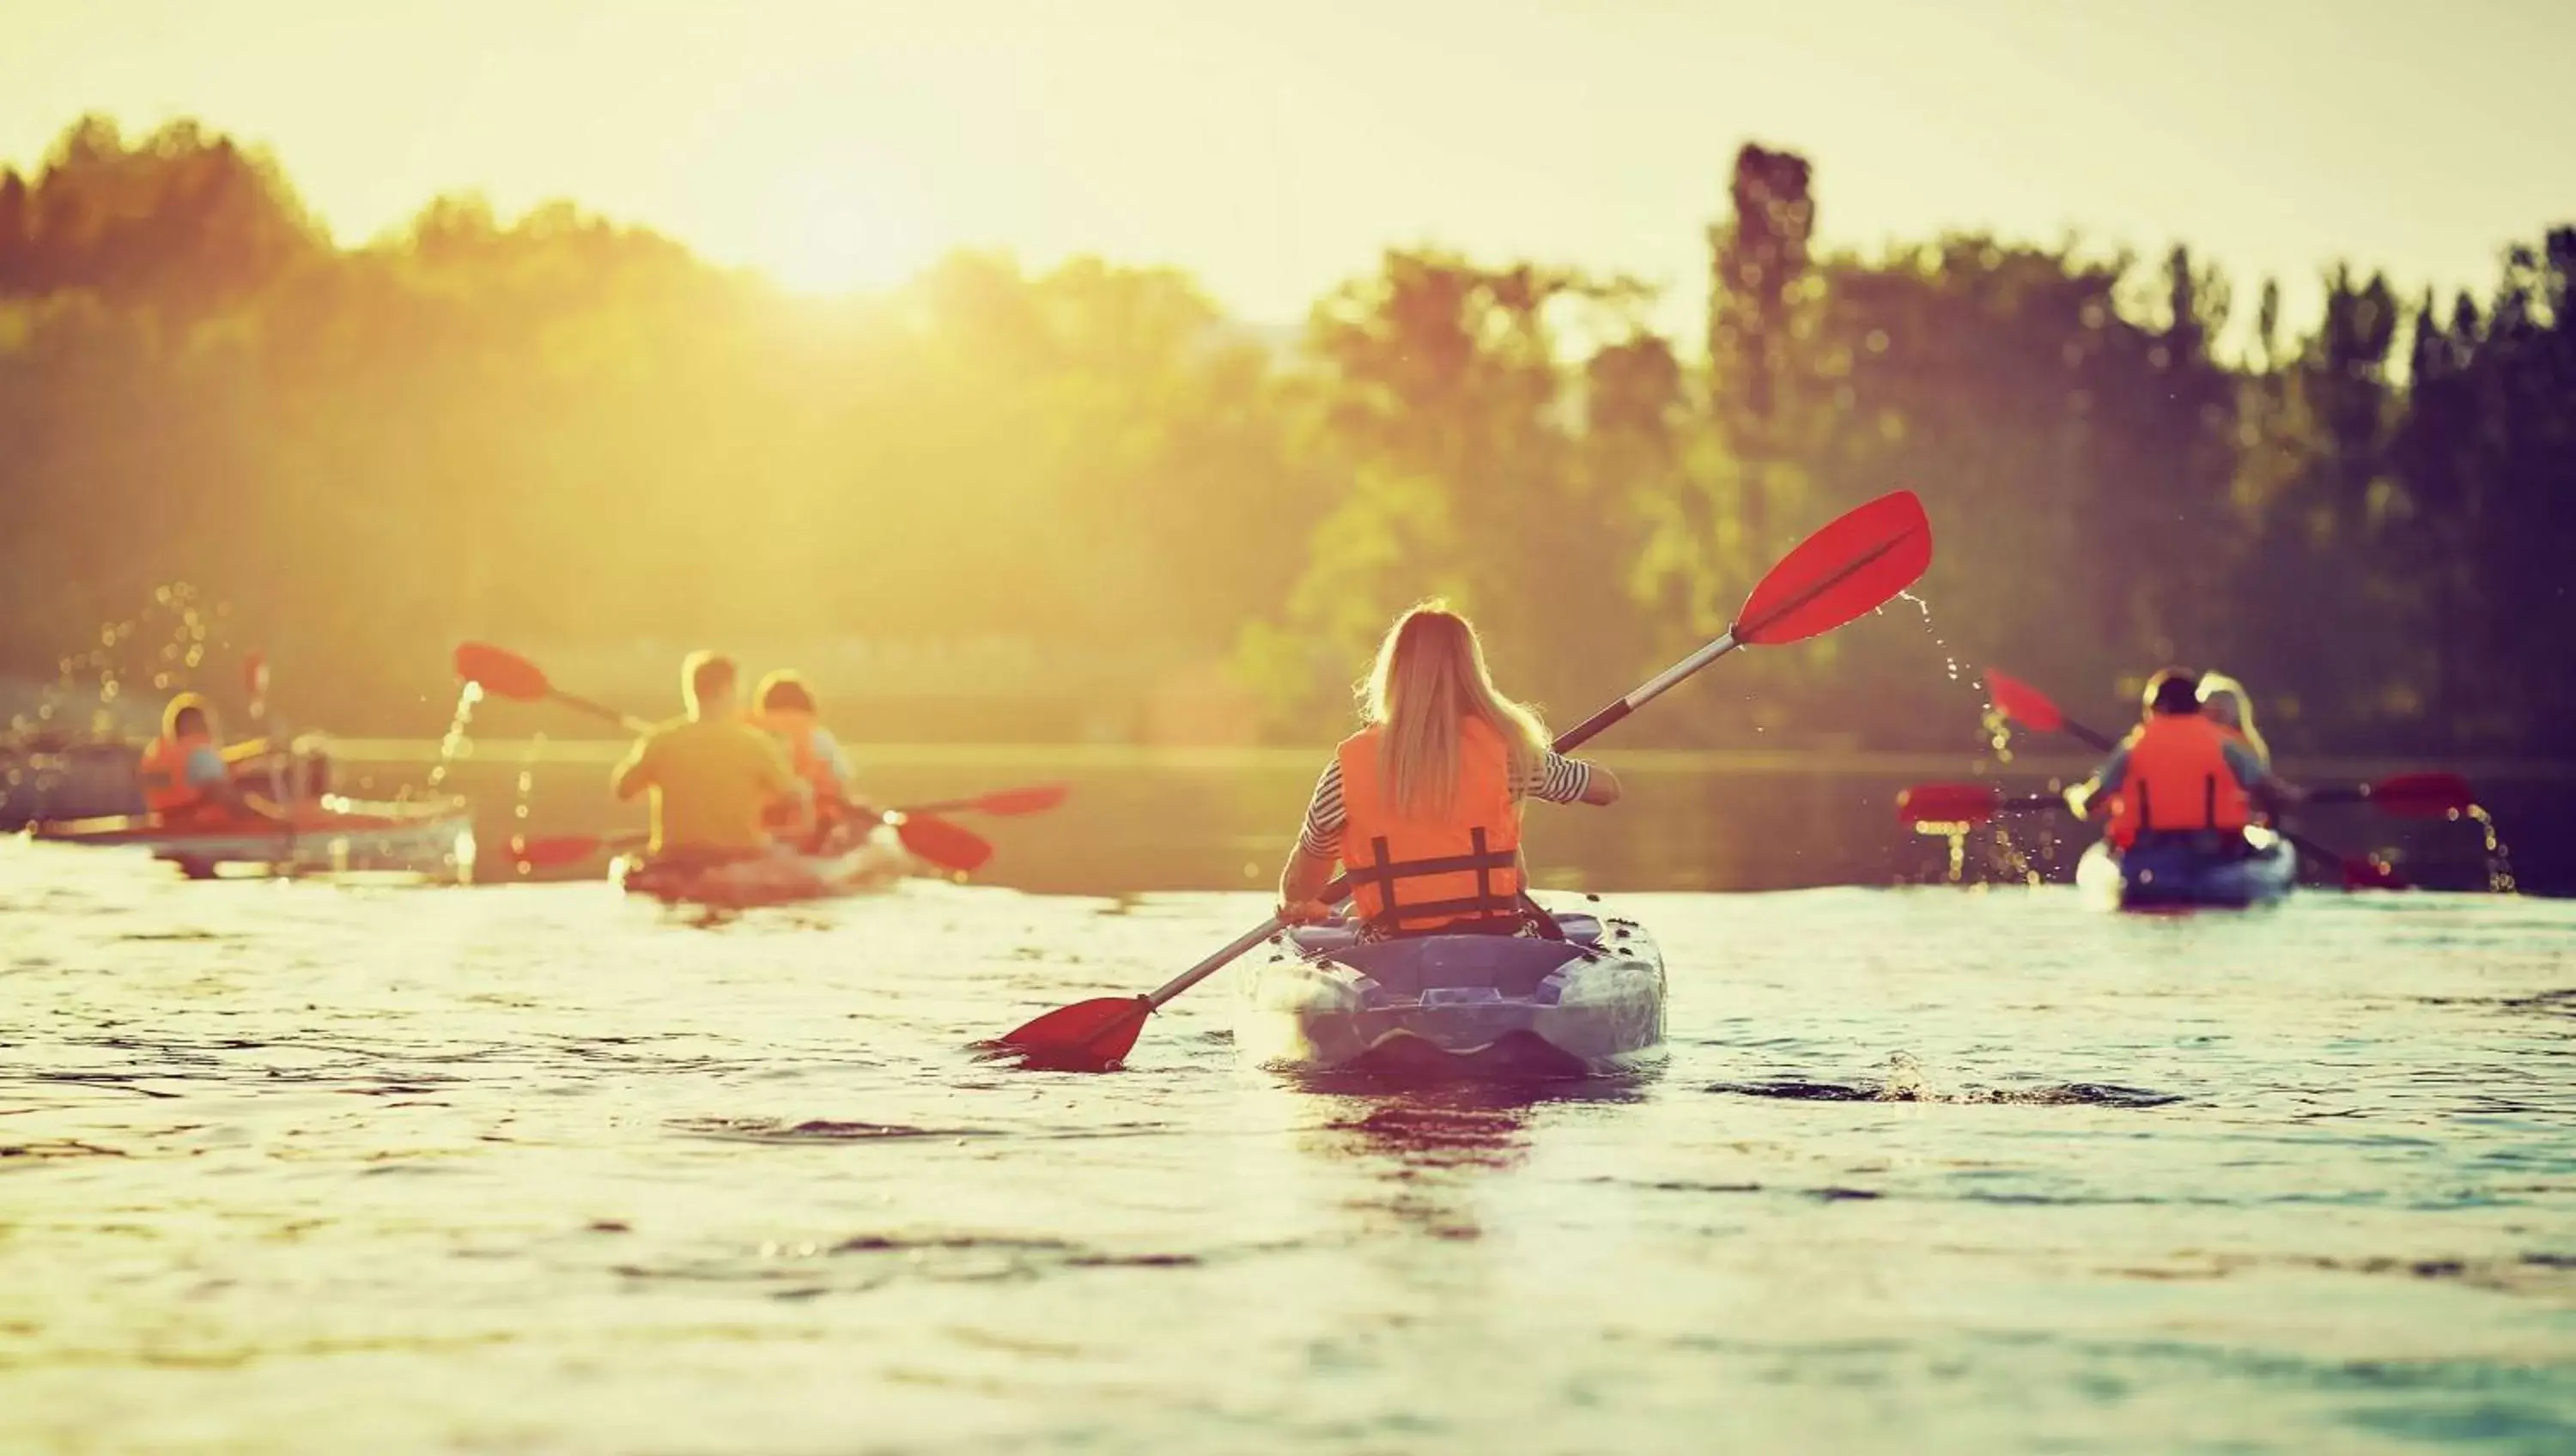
(1430, 677)
(2227, 703)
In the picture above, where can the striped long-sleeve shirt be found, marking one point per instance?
(1555, 780)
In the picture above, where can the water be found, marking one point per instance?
(294, 1167)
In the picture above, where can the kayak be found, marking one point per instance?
(1458, 1005)
(777, 878)
(324, 836)
(2181, 876)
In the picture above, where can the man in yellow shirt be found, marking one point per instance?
(712, 775)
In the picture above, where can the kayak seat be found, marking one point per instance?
(1455, 968)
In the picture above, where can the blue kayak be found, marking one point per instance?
(1480, 1006)
(2177, 874)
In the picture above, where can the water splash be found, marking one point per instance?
(527, 788)
(2004, 858)
(2500, 880)
(458, 742)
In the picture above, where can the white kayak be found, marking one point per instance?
(2182, 875)
(1458, 1005)
(778, 878)
(326, 836)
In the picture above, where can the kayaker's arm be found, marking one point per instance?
(1561, 780)
(635, 773)
(2273, 793)
(2082, 799)
(236, 800)
(1301, 887)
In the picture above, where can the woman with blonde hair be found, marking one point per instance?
(1423, 805)
(2224, 701)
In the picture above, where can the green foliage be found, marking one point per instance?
(559, 429)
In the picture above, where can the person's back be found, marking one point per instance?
(2179, 774)
(712, 777)
(1423, 805)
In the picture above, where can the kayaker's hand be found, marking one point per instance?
(1305, 912)
(2079, 801)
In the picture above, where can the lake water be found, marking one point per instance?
(296, 1167)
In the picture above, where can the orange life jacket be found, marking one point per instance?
(2178, 779)
(167, 794)
(1413, 875)
(795, 729)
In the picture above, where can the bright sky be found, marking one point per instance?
(1274, 148)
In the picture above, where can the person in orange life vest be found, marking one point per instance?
(784, 708)
(184, 776)
(1423, 804)
(2179, 773)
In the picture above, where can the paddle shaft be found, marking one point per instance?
(628, 721)
(1568, 741)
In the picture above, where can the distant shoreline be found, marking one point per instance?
(1069, 756)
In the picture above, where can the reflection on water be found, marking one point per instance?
(302, 1168)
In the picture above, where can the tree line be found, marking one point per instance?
(557, 428)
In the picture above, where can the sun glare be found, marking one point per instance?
(851, 227)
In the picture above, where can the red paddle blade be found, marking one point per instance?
(944, 844)
(1946, 804)
(1036, 799)
(2422, 795)
(501, 673)
(554, 851)
(1088, 1036)
(2023, 703)
(1856, 564)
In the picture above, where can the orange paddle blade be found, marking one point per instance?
(1088, 1036)
(1035, 799)
(1947, 804)
(2422, 795)
(943, 844)
(502, 673)
(2023, 703)
(1855, 564)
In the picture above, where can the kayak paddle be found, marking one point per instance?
(506, 674)
(1855, 564)
(2415, 795)
(1941, 806)
(2408, 795)
(962, 848)
(1035, 799)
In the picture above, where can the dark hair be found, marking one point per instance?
(2174, 691)
(709, 675)
(785, 692)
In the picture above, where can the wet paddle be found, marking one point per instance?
(949, 846)
(2409, 795)
(505, 674)
(1855, 564)
(1035, 799)
(555, 850)
(2416, 795)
